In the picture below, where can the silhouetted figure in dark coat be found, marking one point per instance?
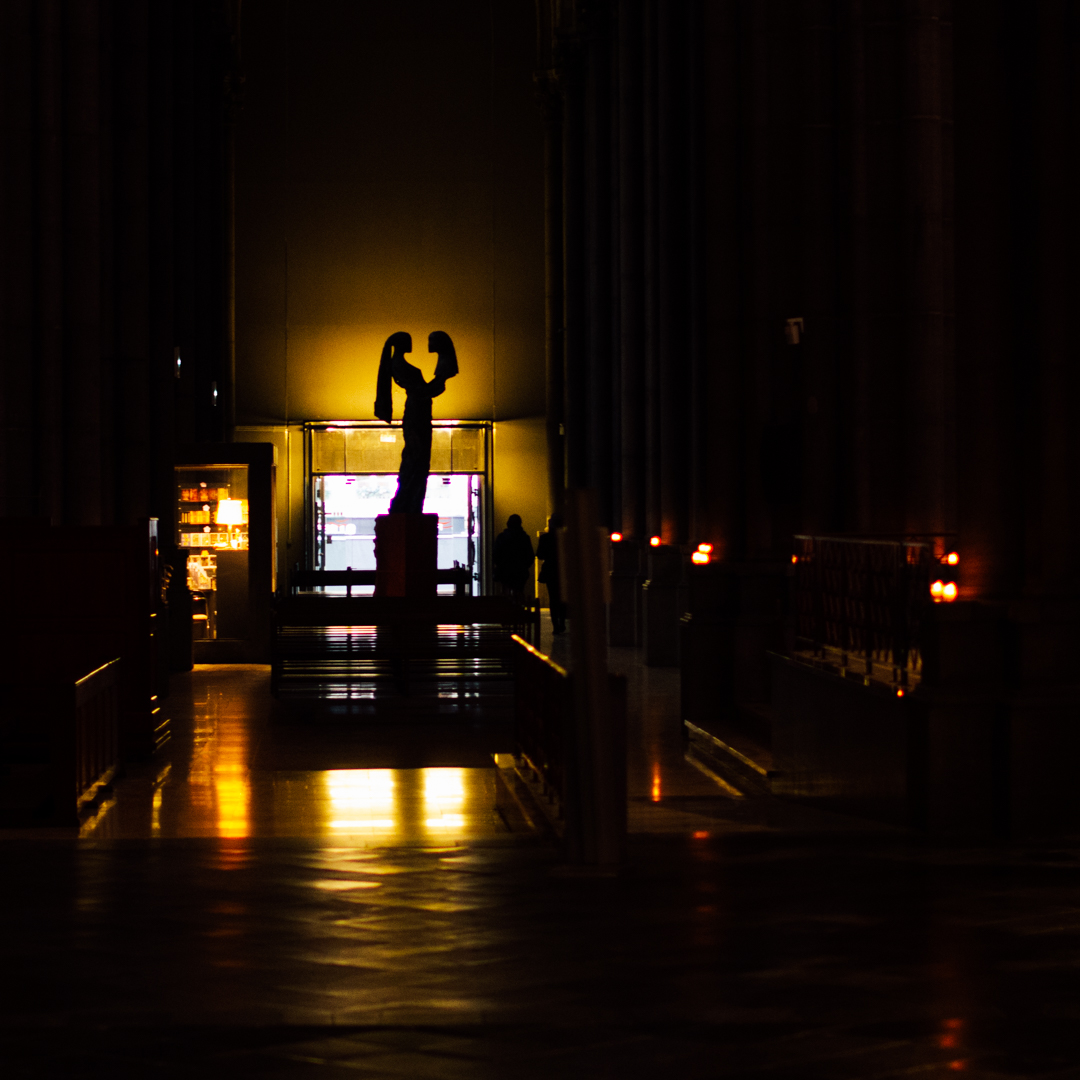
(547, 551)
(513, 557)
(416, 421)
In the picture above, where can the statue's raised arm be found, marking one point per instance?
(446, 368)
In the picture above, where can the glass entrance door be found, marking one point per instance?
(346, 505)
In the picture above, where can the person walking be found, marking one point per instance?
(547, 551)
(513, 558)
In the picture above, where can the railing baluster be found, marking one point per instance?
(857, 597)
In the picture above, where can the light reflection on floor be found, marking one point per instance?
(212, 783)
(384, 806)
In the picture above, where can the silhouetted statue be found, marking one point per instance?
(416, 422)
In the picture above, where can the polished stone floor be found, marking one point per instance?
(282, 897)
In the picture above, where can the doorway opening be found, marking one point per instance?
(352, 469)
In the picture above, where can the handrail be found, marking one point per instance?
(543, 657)
(858, 603)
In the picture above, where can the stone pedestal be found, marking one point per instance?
(965, 698)
(406, 554)
(662, 606)
(734, 618)
(624, 611)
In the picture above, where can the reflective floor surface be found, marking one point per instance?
(751, 956)
(283, 898)
(241, 764)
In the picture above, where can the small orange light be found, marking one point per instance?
(899, 691)
(948, 593)
(794, 558)
(953, 559)
(701, 836)
(616, 537)
(707, 548)
(654, 541)
(699, 558)
(937, 589)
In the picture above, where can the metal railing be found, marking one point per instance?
(543, 707)
(558, 747)
(59, 739)
(97, 748)
(858, 604)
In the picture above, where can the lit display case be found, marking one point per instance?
(212, 508)
(224, 530)
(212, 521)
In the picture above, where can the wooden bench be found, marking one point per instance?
(320, 640)
(301, 581)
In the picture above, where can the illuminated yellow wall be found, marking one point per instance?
(520, 479)
(389, 177)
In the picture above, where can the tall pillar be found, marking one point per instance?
(82, 391)
(928, 360)
(162, 250)
(132, 272)
(631, 165)
(671, 353)
(651, 255)
(550, 102)
(576, 359)
(49, 262)
(598, 196)
(20, 489)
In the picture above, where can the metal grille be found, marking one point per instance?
(858, 604)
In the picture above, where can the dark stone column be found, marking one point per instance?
(991, 495)
(854, 473)
(671, 352)
(701, 352)
(162, 252)
(19, 485)
(651, 433)
(81, 207)
(550, 102)
(132, 273)
(598, 194)
(725, 467)
(928, 180)
(631, 271)
(233, 87)
(576, 418)
(49, 262)
(814, 297)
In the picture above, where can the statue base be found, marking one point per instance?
(406, 554)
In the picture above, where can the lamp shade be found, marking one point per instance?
(230, 512)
